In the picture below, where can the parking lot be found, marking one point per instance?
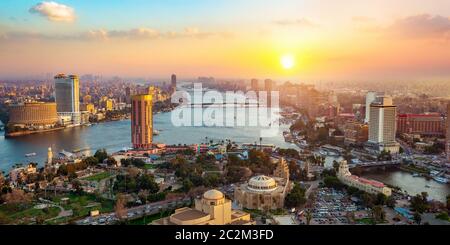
(332, 207)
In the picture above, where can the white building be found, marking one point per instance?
(369, 186)
(67, 97)
(370, 98)
(382, 125)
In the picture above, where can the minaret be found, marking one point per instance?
(49, 156)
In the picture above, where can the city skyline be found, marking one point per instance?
(380, 41)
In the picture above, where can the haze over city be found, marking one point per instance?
(404, 40)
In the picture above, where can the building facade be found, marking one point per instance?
(212, 209)
(142, 121)
(382, 125)
(431, 124)
(173, 83)
(254, 85)
(264, 192)
(33, 114)
(369, 186)
(447, 134)
(355, 133)
(67, 96)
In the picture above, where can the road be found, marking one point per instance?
(135, 212)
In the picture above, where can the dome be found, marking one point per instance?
(262, 183)
(213, 195)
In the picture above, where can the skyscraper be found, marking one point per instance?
(382, 124)
(268, 85)
(67, 96)
(141, 121)
(254, 85)
(370, 98)
(128, 95)
(447, 128)
(173, 83)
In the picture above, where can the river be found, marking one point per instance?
(115, 136)
(410, 184)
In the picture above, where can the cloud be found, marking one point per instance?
(141, 33)
(302, 22)
(421, 26)
(54, 11)
(363, 19)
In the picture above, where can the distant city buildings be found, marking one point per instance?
(369, 186)
(447, 127)
(67, 96)
(212, 209)
(429, 124)
(142, 121)
(254, 85)
(382, 125)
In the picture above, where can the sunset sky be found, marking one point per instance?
(377, 40)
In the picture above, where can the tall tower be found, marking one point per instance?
(67, 96)
(447, 129)
(142, 121)
(49, 156)
(254, 85)
(268, 86)
(173, 83)
(370, 98)
(382, 124)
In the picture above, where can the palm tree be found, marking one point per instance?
(308, 216)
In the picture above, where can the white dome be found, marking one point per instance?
(213, 195)
(262, 183)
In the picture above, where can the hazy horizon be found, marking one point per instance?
(405, 40)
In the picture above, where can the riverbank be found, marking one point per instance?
(29, 132)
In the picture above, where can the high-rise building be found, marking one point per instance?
(370, 98)
(141, 121)
(67, 96)
(128, 95)
(173, 83)
(382, 124)
(268, 85)
(254, 85)
(447, 127)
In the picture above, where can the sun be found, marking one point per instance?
(287, 61)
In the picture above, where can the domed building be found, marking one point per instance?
(212, 209)
(263, 192)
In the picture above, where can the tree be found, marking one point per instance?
(147, 182)
(187, 185)
(390, 202)
(419, 203)
(111, 161)
(91, 161)
(120, 209)
(18, 197)
(101, 155)
(417, 218)
(308, 216)
(333, 182)
(378, 214)
(296, 197)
